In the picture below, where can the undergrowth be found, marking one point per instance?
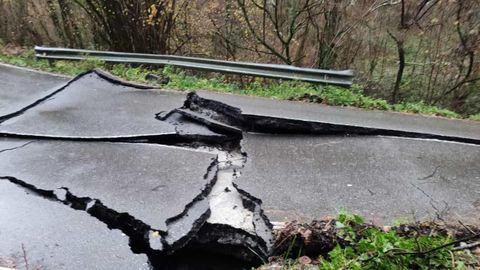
(284, 90)
(365, 246)
(374, 248)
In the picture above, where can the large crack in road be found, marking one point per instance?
(214, 112)
(124, 222)
(220, 217)
(221, 220)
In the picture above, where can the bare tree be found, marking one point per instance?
(277, 24)
(415, 50)
(64, 22)
(411, 14)
(467, 25)
(227, 33)
(328, 28)
(131, 25)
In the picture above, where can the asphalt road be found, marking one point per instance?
(385, 179)
(67, 143)
(150, 182)
(51, 236)
(94, 107)
(20, 88)
(348, 116)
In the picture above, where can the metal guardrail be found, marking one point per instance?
(341, 78)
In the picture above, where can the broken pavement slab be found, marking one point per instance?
(237, 224)
(57, 237)
(301, 115)
(382, 178)
(97, 105)
(20, 88)
(152, 183)
(190, 130)
(159, 194)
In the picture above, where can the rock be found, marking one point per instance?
(158, 79)
(304, 260)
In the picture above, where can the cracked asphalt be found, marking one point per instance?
(79, 111)
(318, 113)
(18, 93)
(56, 237)
(114, 173)
(97, 173)
(382, 178)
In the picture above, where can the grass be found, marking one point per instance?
(474, 117)
(287, 90)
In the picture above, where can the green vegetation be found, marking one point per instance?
(374, 248)
(475, 117)
(27, 59)
(289, 90)
(367, 247)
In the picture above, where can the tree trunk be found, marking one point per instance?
(70, 28)
(326, 54)
(401, 67)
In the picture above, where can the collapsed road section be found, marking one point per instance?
(166, 185)
(162, 208)
(273, 123)
(315, 168)
(197, 186)
(342, 117)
